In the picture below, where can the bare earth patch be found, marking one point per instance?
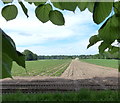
(78, 75)
(82, 70)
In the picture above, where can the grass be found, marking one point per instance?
(38, 67)
(103, 62)
(82, 95)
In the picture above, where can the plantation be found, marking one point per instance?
(103, 62)
(41, 67)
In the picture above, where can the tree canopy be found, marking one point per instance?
(29, 55)
(107, 13)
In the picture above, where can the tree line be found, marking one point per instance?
(29, 55)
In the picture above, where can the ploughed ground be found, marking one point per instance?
(78, 75)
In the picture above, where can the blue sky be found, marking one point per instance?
(49, 39)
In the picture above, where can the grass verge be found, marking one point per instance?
(82, 95)
(103, 62)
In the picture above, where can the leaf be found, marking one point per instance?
(7, 1)
(65, 5)
(6, 66)
(8, 46)
(114, 49)
(9, 54)
(93, 40)
(56, 17)
(25, 10)
(101, 11)
(115, 21)
(9, 12)
(118, 40)
(42, 12)
(68, 5)
(57, 5)
(21, 59)
(38, 3)
(103, 46)
(29, 1)
(109, 31)
(116, 8)
(91, 6)
(82, 5)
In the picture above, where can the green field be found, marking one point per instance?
(102, 62)
(82, 95)
(41, 67)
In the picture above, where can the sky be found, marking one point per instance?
(49, 39)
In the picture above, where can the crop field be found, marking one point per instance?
(41, 67)
(103, 62)
(79, 75)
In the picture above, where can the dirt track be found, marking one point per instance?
(82, 70)
(78, 75)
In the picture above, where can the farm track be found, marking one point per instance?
(78, 75)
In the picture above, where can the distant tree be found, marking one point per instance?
(29, 55)
(35, 57)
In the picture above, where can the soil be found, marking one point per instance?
(83, 70)
(78, 75)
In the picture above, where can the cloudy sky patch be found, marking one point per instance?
(49, 39)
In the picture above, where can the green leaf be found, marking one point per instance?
(38, 3)
(109, 31)
(114, 49)
(6, 66)
(9, 12)
(29, 1)
(118, 40)
(42, 12)
(65, 5)
(7, 1)
(103, 46)
(91, 6)
(57, 5)
(56, 17)
(93, 40)
(117, 8)
(25, 10)
(82, 5)
(8, 46)
(9, 54)
(68, 5)
(21, 59)
(115, 22)
(101, 11)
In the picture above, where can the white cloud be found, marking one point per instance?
(30, 31)
(76, 48)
